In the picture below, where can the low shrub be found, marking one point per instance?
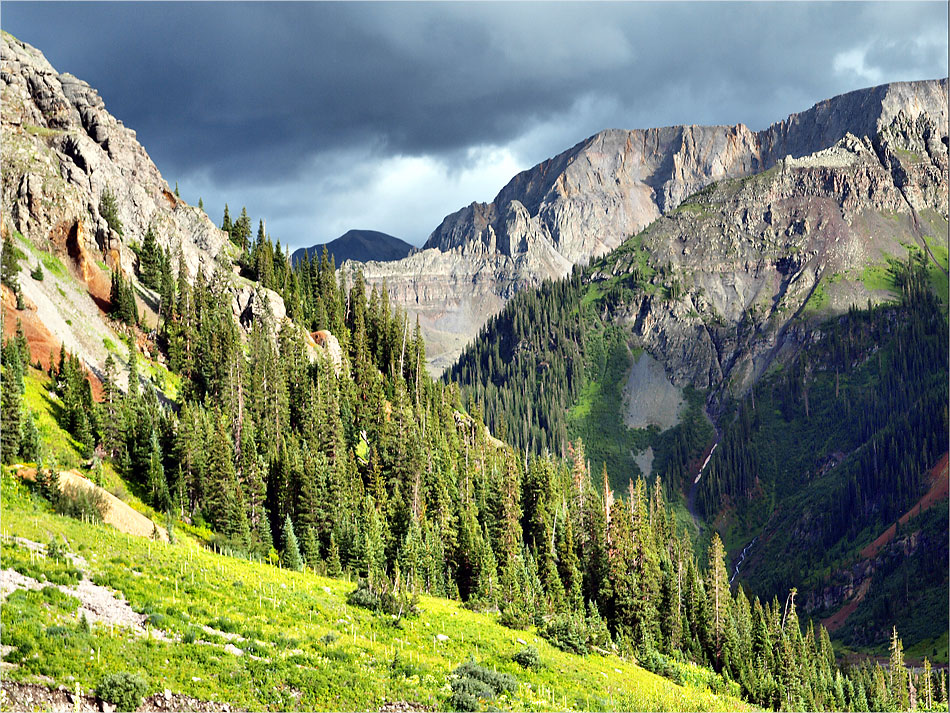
(568, 634)
(515, 617)
(58, 630)
(459, 701)
(528, 657)
(81, 503)
(385, 602)
(190, 636)
(225, 624)
(473, 683)
(498, 682)
(123, 690)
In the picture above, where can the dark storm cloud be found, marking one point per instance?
(297, 107)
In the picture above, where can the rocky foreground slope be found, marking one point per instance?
(587, 200)
(62, 151)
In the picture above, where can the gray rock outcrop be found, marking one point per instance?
(62, 151)
(587, 200)
(750, 260)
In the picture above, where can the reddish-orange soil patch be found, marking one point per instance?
(40, 340)
(938, 491)
(836, 620)
(939, 488)
(99, 288)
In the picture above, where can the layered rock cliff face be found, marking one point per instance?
(61, 152)
(587, 200)
(724, 283)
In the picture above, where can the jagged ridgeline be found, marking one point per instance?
(822, 283)
(588, 199)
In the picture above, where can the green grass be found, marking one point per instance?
(314, 651)
(38, 566)
(53, 264)
(818, 299)
(593, 294)
(597, 418)
(878, 277)
(934, 649)
(41, 130)
(168, 382)
(700, 210)
(938, 273)
(59, 447)
(910, 156)
(940, 252)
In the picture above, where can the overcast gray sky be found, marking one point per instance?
(321, 117)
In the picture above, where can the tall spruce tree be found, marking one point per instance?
(290, 556)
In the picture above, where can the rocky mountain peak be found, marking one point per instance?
(585, 201)
(62, 152)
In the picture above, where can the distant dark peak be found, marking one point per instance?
(360, 245)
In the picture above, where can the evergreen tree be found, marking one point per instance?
(31, 445)
(334, 569)
(122, 299)
(10, 416)
(155, 479)
(290, 556)
(10, 268)
(241, 232)
(150, 261)
(226, 225)
(109, 209)
(717, 590)
(898, 678)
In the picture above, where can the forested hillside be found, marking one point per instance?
(825, 452)
(354, 461)
(870, 398)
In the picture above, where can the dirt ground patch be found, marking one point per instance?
(117, 513)
(937, 492)
(939, 485)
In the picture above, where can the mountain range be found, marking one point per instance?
(588, 199)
